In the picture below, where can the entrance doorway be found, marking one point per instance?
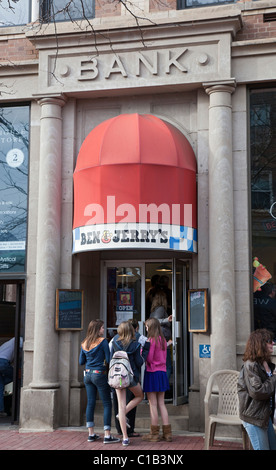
(12, 295)
(128, 289)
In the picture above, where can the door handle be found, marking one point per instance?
(177, 328)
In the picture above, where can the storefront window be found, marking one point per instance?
(263, 204)
(14, 157)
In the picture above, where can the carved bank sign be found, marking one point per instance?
(192, 63)
(151, 63)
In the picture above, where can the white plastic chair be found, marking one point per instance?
(227, 410)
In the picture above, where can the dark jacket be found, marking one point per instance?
(136, 354)
(256, 394)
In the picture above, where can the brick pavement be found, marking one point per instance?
(76, 440)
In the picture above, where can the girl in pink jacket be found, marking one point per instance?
(156, 381)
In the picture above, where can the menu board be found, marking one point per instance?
(198, 310)
(14, 152)
(69, 309)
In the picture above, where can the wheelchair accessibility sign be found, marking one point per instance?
(204, 350)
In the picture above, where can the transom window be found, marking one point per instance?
(181, 4)
(14, 13)
(18, 12)
(66, 10)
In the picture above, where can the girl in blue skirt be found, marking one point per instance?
(156, 381)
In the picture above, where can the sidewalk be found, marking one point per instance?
(76, 439)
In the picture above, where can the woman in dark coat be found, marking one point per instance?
(256, 390)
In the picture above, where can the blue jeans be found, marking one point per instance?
(6, 377)
(261, 439)
(97, 383)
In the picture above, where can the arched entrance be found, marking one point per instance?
(135, 193)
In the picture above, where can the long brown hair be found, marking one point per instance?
(126, 333)
(159, 300)
(93, 333)
(256, 347)
(155, 332)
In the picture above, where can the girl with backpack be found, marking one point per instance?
(125, 340)
(156, 381)
(95, 355)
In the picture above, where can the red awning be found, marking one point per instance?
(130, 161)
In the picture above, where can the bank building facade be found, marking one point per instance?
(137, 145)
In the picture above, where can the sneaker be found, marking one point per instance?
(126, 442)
(93, 438)
(111, 440)
(127, 421)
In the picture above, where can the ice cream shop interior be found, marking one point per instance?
(143, 168)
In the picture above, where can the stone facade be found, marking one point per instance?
(190, 67)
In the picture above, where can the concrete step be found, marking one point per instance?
(178, 415)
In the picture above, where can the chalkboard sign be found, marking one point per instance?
(69, 309)
(198, 310)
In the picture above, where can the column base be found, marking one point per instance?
(195, 411)
(39, 410)
(78, 401)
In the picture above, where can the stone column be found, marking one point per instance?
(221, 227)
(41, 403)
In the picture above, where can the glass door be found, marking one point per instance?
(180, 333)
(159, 278)
(129, 288)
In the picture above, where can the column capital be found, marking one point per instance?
(228, 86)
(51, 106)
(56, 98)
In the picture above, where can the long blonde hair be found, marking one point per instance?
(155, 332)
(126, 333)
(159, 300)
(93, 333)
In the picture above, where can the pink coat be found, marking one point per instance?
(156, 360)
